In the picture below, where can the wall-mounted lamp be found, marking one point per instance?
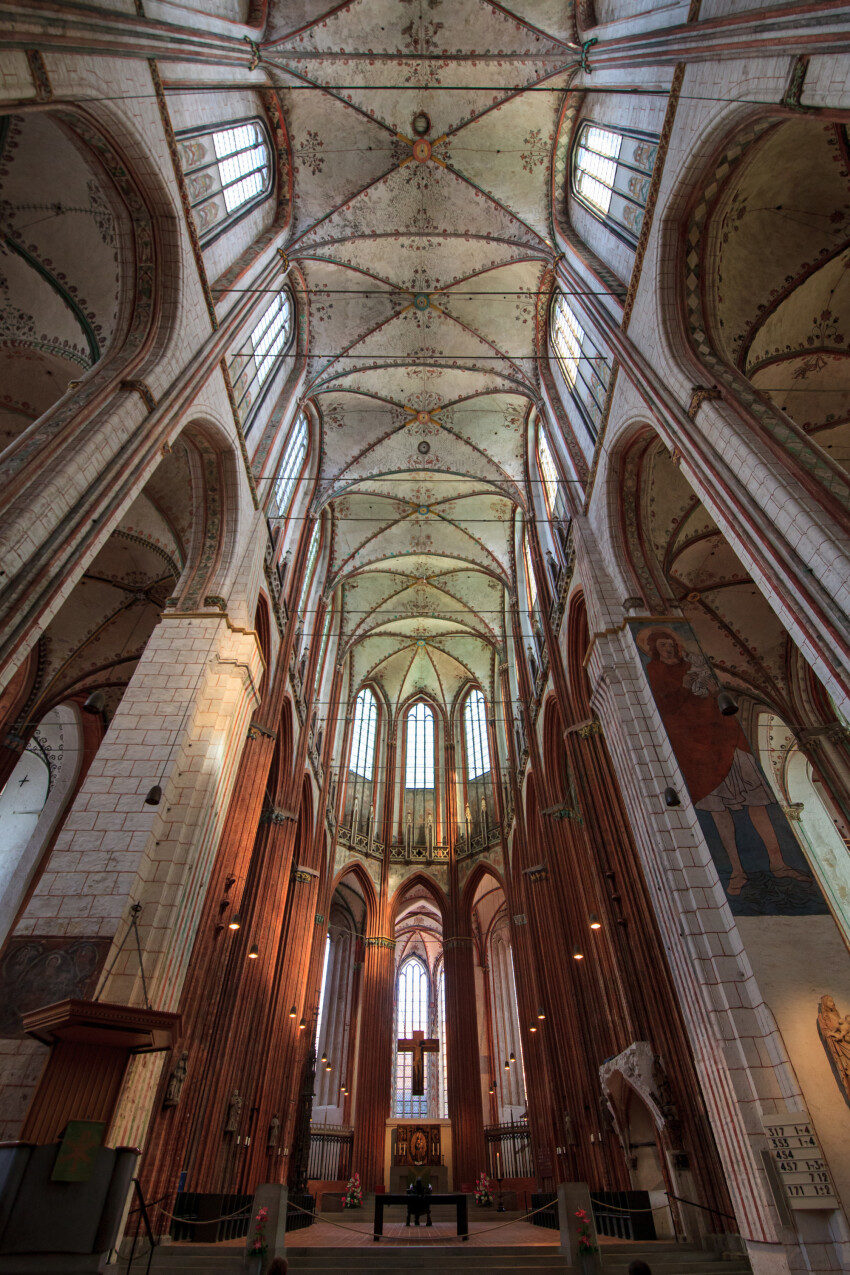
(671, 798)
(578, 954)
(254, 952)
(293, 1012)
(594, 922)
(532, 1027)
(302, 1024)
(512, 1057)
(235, 922)
(95, 702)
(492, 1089)
(507, 1065)
(540, 1013)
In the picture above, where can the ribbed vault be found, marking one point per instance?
(422, 231)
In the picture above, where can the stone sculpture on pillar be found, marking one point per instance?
(273, 1134)
(234, 1110)
(175, 1081)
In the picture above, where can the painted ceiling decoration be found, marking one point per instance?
(422, 231)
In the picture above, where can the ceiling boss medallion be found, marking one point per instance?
(421, 149)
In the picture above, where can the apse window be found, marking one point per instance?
(611, 175)
(227, 171)
(477, 747)
(363, 735)
(412, 1001)
(420, 747)
(252, 366)
(548, 472)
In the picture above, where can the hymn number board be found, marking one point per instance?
(802, 1170)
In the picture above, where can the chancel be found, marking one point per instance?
(425, 653)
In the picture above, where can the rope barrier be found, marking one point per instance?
(622, 1208)
(206, 1221)
(403, 1239)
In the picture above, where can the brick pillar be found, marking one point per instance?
(464, 1062)
(374, 1061)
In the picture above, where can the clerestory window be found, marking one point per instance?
(252, 367)
(294, 455)
(363, 735)
(227, 170)
(411, 1016)
(611, 174)
(477, 746)
(585, 369)
(419, 768)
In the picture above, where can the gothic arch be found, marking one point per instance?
(214, 479)
(785, 371)
(92, 327)
(423, 884)
(473, 881)
(367, 889)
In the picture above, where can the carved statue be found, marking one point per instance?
(274, 1133)
(835, 1034)
(175, 1081)
(234, 1110)
(429, 830)
(554, 569)
(532, 662)
(302, 663)
(468, 818)
(485, 830)
(408, 831)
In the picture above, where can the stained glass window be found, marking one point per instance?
(363, 734)
(291, 465)
(586, 371)
(419, 769)
(551, 487)
(477, 747)
(252, 366)
(227, 170)
(411, 1016)
(611, 175)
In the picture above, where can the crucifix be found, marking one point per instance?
(419, 1047)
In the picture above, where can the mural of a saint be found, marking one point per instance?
(713, 753)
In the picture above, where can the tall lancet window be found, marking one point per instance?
(611, 175)
(585, 369)
(420, 815)
(312, 554)
(294, 455)
(478, 813)
(412, 993)
(361, 765)
(256, 362)
(443, 1103)
(549, 474)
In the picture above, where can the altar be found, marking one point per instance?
(418, 1148)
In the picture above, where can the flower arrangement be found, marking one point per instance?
(482, 1191)
(585, 1235)
(260, 1247)
(353, 1198)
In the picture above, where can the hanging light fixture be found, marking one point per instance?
(235, 921)
(532, 1026)
(512, 1057)
(507, 1065)
(154, 796)
(492, 1089)
(578, 954)
(293, 1012)
(324, 1058)
(302, 1024)
(594, 922)
(328, 1066)
(540, 1013)
(727, 705)
(95, 703)
(254, 952)
(671, 798)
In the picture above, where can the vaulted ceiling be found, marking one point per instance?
(422, 135)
